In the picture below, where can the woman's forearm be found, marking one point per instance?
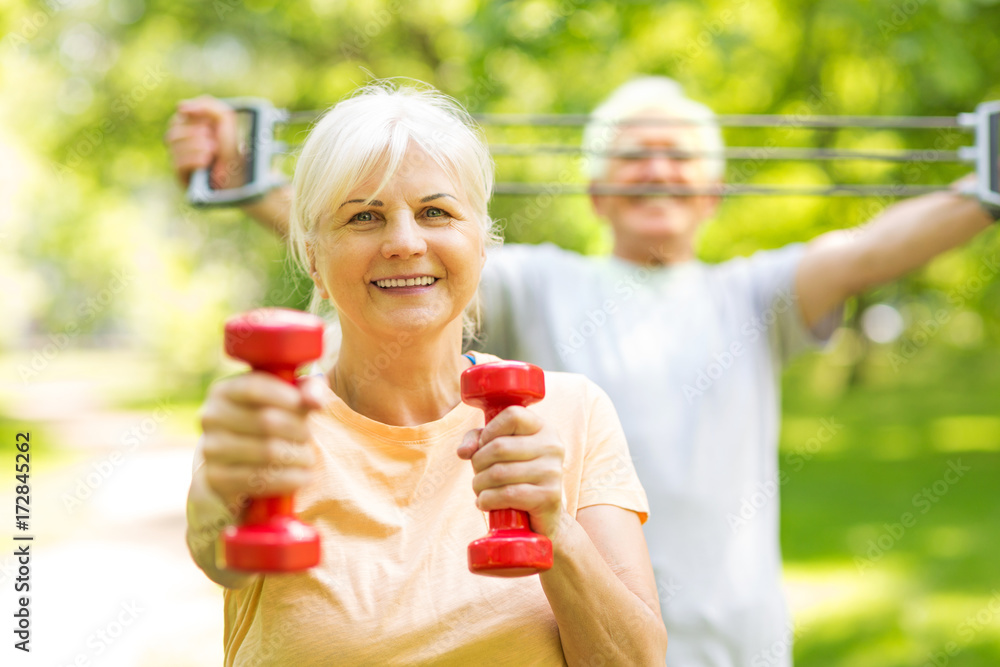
(596, 612)
(207, 517)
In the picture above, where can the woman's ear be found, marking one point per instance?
(320, 288)
(314, 272)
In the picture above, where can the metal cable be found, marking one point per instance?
(724, 120)
(739, 153)
(837, 190)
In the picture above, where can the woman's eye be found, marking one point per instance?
(435, 213)
(364, 216)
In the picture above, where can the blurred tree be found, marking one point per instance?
(89, 86)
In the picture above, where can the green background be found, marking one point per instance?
(101, 260)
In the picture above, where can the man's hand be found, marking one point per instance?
(203, 134)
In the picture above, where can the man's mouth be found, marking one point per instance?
(653, 200)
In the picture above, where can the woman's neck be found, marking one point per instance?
(403, 381)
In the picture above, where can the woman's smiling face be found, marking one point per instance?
(408, 260)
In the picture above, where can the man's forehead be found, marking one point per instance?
(658, 135)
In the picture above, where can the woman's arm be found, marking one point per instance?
(207, 517)
(601, 586)
(602, 590)
(254, 444)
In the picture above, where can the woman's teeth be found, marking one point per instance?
(405, 282)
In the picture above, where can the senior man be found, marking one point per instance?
(690, 353)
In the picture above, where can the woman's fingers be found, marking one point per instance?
(538, 472)
(515, 448)
(537, 501)
(233, 482)
(519, 465)
(256, 435)
(240, 449)
(254, 420)
(470, 444)
(313, 389)
(515, 420)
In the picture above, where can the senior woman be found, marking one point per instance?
(390, 220)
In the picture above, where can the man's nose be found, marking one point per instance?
(658, 167)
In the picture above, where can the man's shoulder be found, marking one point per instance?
(775, 259)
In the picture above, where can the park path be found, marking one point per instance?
(111, 580)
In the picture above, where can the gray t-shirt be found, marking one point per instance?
(691, 355)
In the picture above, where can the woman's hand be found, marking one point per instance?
(255, 435)
(201, 135)
(518, 461)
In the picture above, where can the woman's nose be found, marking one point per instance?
(403, 237)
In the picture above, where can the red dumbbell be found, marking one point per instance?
(510, 549)
(271, 539)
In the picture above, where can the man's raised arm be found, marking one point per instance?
(902, 238)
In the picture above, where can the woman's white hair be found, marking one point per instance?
(644, 94)
(368, 134)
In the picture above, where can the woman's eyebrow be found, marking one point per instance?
(373, 202)
(433, 197)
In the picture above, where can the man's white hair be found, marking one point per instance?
(644, 94)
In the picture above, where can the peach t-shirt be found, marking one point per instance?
(395, 509)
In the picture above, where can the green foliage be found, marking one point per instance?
(96, 239)
(90, 87)
(871, 590)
